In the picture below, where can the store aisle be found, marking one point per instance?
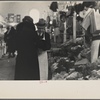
(7, 69)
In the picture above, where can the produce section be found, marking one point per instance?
(71, 61)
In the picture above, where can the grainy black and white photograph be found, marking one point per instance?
(49, 40)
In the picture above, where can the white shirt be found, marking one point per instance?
(40, 34)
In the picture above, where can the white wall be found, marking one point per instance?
(23, 7)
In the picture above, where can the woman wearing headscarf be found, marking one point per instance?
(27, 67)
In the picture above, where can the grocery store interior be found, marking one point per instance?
(73, 27)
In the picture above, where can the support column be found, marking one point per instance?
(54, 35)
(54, 17)
(74, 27)
(64, 37)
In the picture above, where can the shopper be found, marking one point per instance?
(27, 66)
(45, 45)
(90, 23)
(9, 40)
(61, 28)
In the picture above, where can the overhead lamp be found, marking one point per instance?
(34, 14)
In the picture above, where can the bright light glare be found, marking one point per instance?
(50, 22)
(34, 13)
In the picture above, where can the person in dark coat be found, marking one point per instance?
(27, 66)
(43, 36)
(9, 40)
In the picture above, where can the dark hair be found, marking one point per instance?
(89, 4)
(62, 15)
(27, 19)
(79, 18)
(78, 8)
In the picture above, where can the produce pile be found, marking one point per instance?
(65, 69)
(72, 62)
(73, 51)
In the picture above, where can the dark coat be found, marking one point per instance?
(44, 44)
(9, 39)
(27, 67)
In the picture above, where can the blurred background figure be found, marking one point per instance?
(9, 40)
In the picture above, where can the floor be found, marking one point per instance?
(7, 69)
